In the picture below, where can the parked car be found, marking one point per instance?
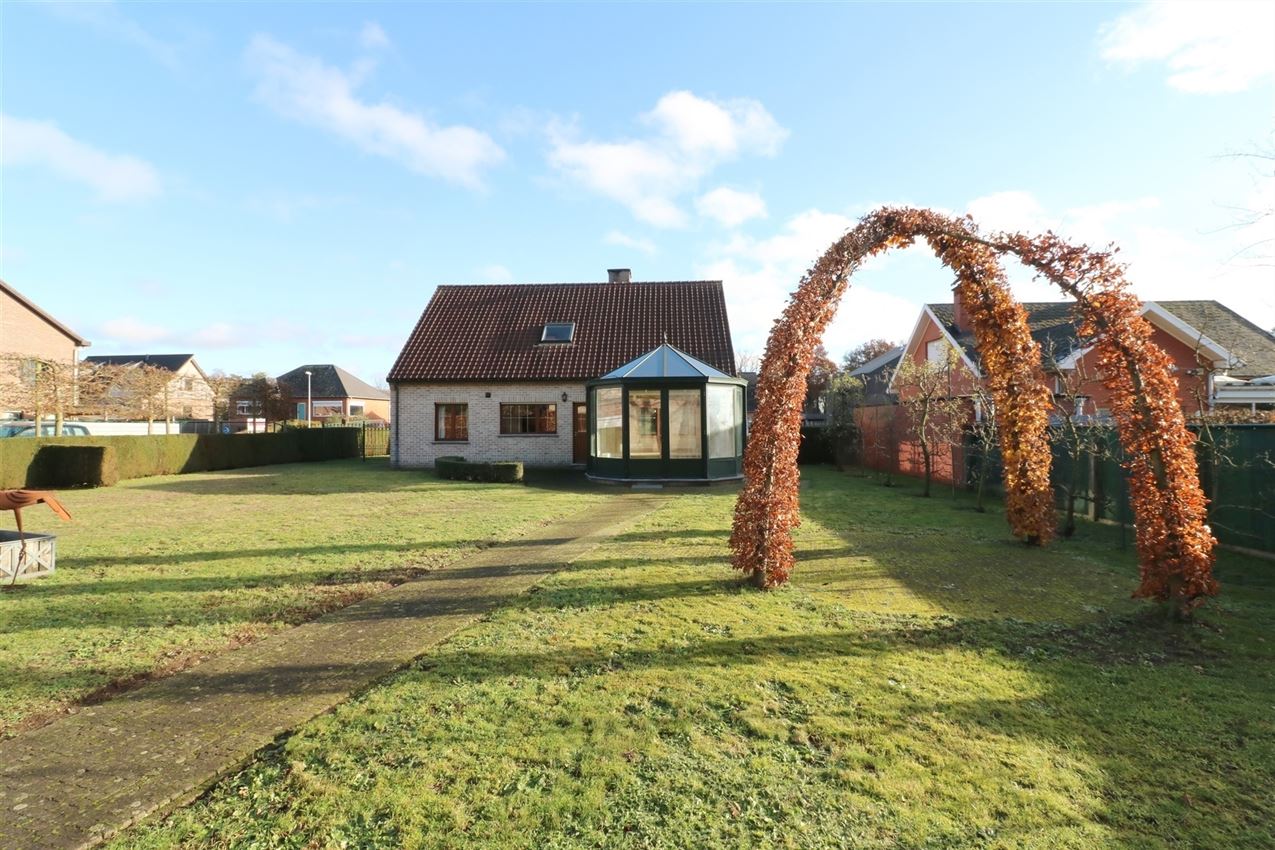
(27, 429)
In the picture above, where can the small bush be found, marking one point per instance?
(498, 472)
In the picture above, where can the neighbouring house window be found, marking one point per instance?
(528, 419)
(725, 420)
(558, 332)
(29, 368)
(244, 407)
(451, 422)
(936, 350)
(684, 439)
(644, 424)
(356, 410)
(187, 411)
(188, 384)
(609, 430)
(327, 408)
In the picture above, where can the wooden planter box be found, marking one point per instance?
(41, 553)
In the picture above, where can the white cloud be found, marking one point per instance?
(1219, 46)
(115, 177)
(107, 19)
(759, 275)
(128, 329)
(1163, 262)
(615, 237)
(495, 273)
(129, 332)
(691, 137)
(372, 37)
(304, 89)
(730, 207)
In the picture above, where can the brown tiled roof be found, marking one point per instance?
(492, 332)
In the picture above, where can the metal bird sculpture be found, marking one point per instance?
(16, 500)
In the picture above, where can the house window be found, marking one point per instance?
(451, 423)
(725, 421)
(356, 410)
(528, 419)
(936, 351)
(644, 424)
(244, 407)
(558, 332)
(609, 432)
(684, 427)
(187, 411)
(188, 384)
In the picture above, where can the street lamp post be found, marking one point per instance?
(309, 403)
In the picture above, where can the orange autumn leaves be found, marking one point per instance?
(1175, 545)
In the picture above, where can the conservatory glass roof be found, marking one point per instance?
(665, 362)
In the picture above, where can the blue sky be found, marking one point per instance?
(273, 185)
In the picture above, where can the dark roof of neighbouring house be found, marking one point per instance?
(881, 361)
(1053, 326)
(80, 341)
(329, 381)
(876, 376)
(492, 332)
(170, 362)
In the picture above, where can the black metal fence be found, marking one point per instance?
(1237, 471)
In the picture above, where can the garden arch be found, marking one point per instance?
(1175, 546)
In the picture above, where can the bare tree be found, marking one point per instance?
(143, 392)
(43, 387)
(986, 439)
(747, 361)
(934, 415)
(1074, 428)
(844, 396)
(224, 389)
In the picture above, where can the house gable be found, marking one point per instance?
(929, 328)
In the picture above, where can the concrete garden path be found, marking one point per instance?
(82, 778)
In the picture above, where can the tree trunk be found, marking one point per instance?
(925, 456)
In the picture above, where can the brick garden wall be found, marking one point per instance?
(413, 416)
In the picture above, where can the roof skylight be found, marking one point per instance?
(558, 332)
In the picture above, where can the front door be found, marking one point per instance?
(580, 428)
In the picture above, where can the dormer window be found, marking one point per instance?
(558, 332)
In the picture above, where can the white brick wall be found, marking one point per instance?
(413, 418)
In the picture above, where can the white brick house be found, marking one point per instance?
(498, 372)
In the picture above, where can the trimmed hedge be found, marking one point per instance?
(27, 462)
(459, 469)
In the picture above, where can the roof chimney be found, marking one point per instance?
(960, 316)
(619, 275)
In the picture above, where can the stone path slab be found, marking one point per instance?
(82, 778)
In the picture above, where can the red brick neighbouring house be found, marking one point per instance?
(1216, 352)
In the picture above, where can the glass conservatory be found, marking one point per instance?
(666, 416)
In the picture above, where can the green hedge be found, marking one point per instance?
(459, 469)
(27, 462)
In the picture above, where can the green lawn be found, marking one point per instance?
(155, 573)
(927, 683)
